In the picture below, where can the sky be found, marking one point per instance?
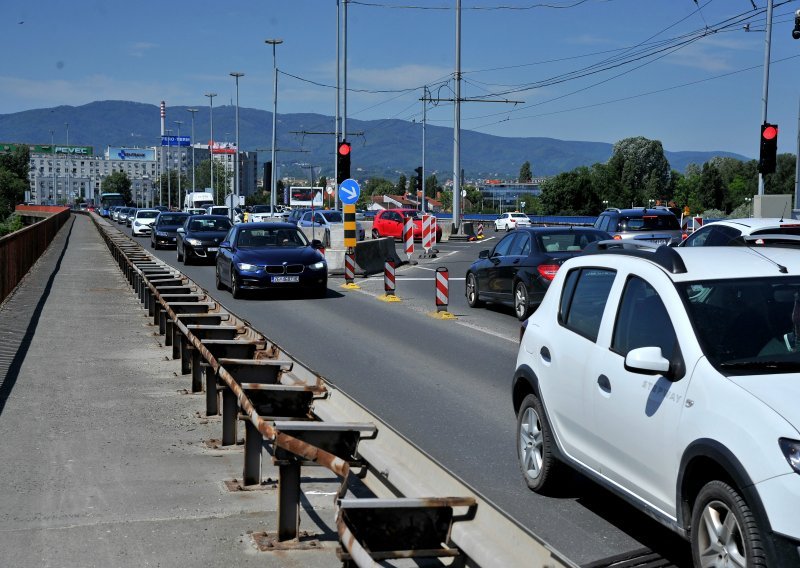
(686, 72)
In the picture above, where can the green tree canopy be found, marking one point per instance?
(525, 174)
(13, 179)
(640, 171)
(118, 182)
(222, 179)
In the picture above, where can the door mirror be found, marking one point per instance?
(225, 245)
(646, 360)
(317, 244)
(484, 254)
(180, 230)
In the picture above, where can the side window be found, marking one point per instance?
(521, 243)
(643, 321)
(712, 236)
(307, 216)
(501, 249)
(582, 310)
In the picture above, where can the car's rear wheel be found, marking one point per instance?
(473, 296)
(236, 292)
(375, 234)
(152, 244)
(522, 305)
(536, 446)
(724, 529)
(178, 254)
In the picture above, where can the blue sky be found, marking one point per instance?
(653, 75)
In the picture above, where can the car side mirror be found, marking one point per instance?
(484, 254)
(647, 360)
(225, 245)
(180, 230)
(317, 244)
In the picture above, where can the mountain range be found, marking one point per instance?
(385, 148)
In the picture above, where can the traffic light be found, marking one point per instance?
(420, 187)
(267, 176)
(342, 161)
(769, 148)
(796, 30)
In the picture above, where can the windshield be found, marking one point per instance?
(649, 223)
(209, 224)
(747, 326)
(333, 216)
(269, 238)
(260, 209)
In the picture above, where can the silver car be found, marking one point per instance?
(657, 225)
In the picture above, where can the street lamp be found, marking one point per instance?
(211, 143)
(54, 194)
(193, 111)
(273, 189)
(605, 204)
(180, 160)
(169, 160)
(749, 201)
(236, 75)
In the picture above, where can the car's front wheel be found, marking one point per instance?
(236, 292)
(522, 305)
(178, 254)
(218, 280)
(724, 529)
(473, 296)
(375, 234)
(536, 446)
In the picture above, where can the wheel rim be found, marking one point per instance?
(234, 287)
(471, 289)
(521, 301)
(530, 443)
(720, 538)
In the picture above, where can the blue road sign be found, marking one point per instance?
(349, 191)
(175, 141)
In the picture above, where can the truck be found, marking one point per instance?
(198, 200)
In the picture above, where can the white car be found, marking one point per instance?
(510, 221)
(143, 221)
(721, 233)
(671, 376)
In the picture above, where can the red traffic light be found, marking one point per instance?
(770, 131)
(344, 148)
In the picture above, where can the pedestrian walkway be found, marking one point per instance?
(102, 451)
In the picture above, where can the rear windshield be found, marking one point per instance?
(649, 223)
(786, 230)
(568, 241)
(333, 216)
(171, 219)
(147, 214)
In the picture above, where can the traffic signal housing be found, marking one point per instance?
(343, 161)
(420, 187)
(767, 157)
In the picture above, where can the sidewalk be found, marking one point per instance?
(102, 453)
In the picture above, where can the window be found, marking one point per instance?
(713, 235)
(503, 246)
(584, 300)
(643, 321)
(521, 245)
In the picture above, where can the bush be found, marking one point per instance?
(13, 223)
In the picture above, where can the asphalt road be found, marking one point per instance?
(444, 384)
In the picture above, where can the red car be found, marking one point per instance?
(390, 222)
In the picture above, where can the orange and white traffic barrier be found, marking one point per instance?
(349, 267)
(426, 232)
(442, 289)
(388, 278)
(408, 236)
(480, 230)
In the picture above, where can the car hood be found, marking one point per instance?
(206, 235)
(779, 392)
(278, 255)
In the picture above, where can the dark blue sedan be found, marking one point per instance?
(261, 256)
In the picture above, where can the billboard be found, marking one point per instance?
(48, 149)
(223, 148)
(117, 153)
(175, 141)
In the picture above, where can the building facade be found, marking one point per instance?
(507, 196)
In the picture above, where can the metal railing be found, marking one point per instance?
(21, 249)
(303, 420)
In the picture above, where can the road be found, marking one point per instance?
(444, 384)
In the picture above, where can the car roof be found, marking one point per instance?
(209, 216)
(640, 211)
(756, 224)
(148, 211)
(265, 225)
(559, 229)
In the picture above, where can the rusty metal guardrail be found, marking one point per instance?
(21, 249)
(303, 420)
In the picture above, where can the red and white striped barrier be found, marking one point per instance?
(480, 230)
(408, 236)
(442, 289)
(388, 278)
(349, 267)
(426, 232)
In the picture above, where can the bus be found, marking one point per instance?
(109, 200)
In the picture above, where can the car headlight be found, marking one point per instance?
(317, 265)
(136, 223)
(246, 267)
(195, 242)
(791, 450)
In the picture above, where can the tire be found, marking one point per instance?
(152, 244)
(522, 304)
(236, 292)
(535, 447)
(719, 540)
(178, 254)
(217, 281)
(473, 295)
(508, 228)
(496, 228)
(375, 234)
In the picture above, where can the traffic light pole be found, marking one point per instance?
(765, 95)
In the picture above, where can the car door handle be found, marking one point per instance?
(604, 383)
(516, 261)
(545, 353)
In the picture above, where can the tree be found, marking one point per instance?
(118, 182)
(401, 184)
(782, 181)
(13, 179)
(222, 178)
(640, 170)
(525, 174)
(571, 193)
(712, 188)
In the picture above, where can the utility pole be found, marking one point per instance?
(765, 95)
(457, 127)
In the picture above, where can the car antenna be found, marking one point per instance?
(781, 268)
(784, 211)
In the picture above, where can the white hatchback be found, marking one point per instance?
(143, 221)
(510, 221)
(671, 376)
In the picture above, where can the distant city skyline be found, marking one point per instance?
(683, 72)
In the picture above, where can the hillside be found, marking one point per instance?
(382, 148)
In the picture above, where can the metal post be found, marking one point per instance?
(176, 341)
(457, 126)
(424, 120)
(169, 159)
(288, 500)
(344, 75)
(66, 170)
(197, 371)
(797, 168)
(252, 454)
(765, 93)
(194, 185)
(236, 75)
(186, 356)
(272, 185)
(212, 393)
(211, 142)
(230, 415)
(336, 119)
(180, 162)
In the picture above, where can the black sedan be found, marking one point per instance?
(260, 256)
(200, 236)
(165, 229)
(520, 267)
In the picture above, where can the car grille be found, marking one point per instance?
(284, 269)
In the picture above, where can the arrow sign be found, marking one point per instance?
(349, 191)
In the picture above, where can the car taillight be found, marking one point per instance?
(684, 236)
(547, 271)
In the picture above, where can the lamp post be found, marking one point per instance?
(180, 160)
(749, 201)
(236, 75)
(273, 189)
(53, 195)
(211, 142)
(66, 171)
(193, 111)
(169, 160)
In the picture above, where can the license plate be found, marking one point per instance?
(213, 249)
(660, 241)
(285, 279)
